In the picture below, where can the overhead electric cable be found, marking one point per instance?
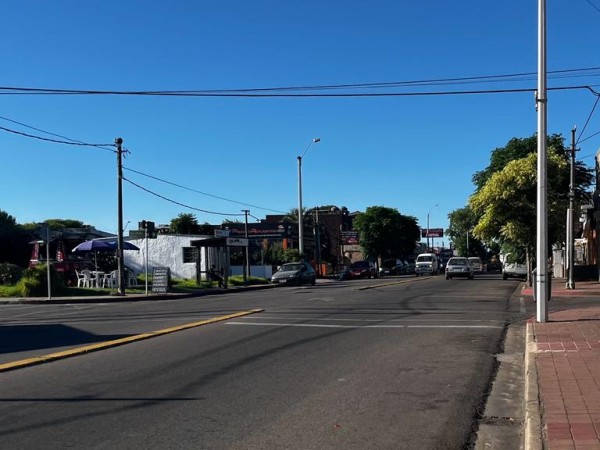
(588, 119)
(56, 141)
(314, 95)
(200, 192)
(47, 132)
(593, 5)
(458, 80)
(178, 203)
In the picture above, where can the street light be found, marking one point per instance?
(300, 219)
(428, 224)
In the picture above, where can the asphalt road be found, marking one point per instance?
(402, 364)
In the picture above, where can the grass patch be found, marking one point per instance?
(9, 291)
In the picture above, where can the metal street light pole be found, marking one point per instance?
(300, 218)
(570, 214)
(541, 282)
(428, 225)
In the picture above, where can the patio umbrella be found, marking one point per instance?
(94, 246)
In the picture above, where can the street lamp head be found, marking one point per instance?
(317, 140)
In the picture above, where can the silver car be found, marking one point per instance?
(295, 273)
(459, 266)
(477, 264)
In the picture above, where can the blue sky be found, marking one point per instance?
(404, 152)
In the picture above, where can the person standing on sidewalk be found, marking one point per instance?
(214, 276)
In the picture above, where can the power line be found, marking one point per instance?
(524, 76)
(200, 192)
(319, 95)
(56, 141)
(178, 203)
(46, 132)
(593, 5)
(589, 117)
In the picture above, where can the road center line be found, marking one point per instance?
(319, 325)
(116, 342)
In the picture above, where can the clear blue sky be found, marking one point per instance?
(408, 152)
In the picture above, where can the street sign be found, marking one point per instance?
(221, 233)
(137, 234)
(237, 242)
(432, 232)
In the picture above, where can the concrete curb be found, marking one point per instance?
(533, 438)
(128, 298)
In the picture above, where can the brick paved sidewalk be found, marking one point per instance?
(567, 358)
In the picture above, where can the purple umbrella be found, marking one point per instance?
(101, 246)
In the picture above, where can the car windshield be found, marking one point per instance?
(290, 267)
(359, 264)
(424, 258)
(457, 262)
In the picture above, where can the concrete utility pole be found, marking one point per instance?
(120, 265)
(541, 282)
(570, 216)
(247, 255)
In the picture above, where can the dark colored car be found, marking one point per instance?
(296, 273)
(362, 269)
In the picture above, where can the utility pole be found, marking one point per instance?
(120, 265)
(570, 215)
(247, 255)
(542, 280)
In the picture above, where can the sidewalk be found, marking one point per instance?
(563, 370)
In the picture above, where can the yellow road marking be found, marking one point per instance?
(392, 283)
(116, 342)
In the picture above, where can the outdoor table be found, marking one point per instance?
(99, 277)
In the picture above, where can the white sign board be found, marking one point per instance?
(221, 233)
(237, 242)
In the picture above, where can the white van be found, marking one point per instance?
(427, 263)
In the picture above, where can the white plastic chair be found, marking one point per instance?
(80, 278)
(110, 279)
(88, 280)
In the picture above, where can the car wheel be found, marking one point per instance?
(471, 277)
(447, 277)
(504, 277)
(313, 282)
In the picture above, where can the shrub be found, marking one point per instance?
(35, 281)
(10, 273)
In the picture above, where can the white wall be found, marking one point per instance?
(164, 251)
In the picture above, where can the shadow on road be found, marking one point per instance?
(18, 338)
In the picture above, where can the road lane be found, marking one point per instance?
(292, 385)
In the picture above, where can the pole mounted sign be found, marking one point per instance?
(432, 232)
(237, 242)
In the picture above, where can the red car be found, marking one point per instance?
(362, 269)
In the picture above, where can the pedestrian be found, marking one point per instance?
(214, 276)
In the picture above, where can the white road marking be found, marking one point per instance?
(318, 325)
(325, 319)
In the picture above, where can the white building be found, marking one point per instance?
(176, 252)
(167, 250)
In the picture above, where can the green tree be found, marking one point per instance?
(384, 232)
(184, 223)
(518, 148)
(506, 204)
(462, 222)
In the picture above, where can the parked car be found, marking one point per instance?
(514, 270)
(295, 273)
(392, 267)
(458, 266)
(362, 269)
(409, 267)
(477, 264)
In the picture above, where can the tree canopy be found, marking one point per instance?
(384, 232)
